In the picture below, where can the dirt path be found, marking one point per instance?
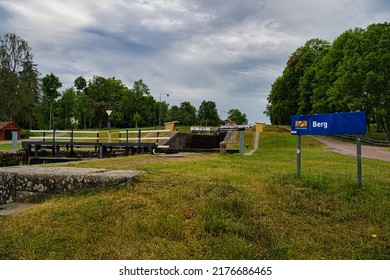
(350, 149)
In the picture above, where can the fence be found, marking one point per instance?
(99, 136)
(149, 135)
(366, 140)
(65, 135)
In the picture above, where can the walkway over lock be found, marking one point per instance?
(101, 144)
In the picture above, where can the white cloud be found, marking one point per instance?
(222, 50)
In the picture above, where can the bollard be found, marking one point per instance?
(242, 141)
(15, 135)
(222, 148)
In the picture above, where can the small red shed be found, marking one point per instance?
(6, 129)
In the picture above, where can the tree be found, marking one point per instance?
(376, 85)
(50, 85)
(83, 102)
(185, 114)
(80, 83)
(286, 98)
(105, 94)
(66, 108)
(174, 113)
(236, 116)
(19, 80)
(137, 118)
(352, 74)
(138, 102)
(208, 113)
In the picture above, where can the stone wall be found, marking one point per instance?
(184, 140)
(180, 140)
(24, 181)
(11, 158)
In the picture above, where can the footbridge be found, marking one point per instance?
(64, 145)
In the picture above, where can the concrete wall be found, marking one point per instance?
(184, 140)
(11, 158)
(24, 181)
(180, 140)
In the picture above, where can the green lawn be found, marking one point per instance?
(211, 206)
(8, 147)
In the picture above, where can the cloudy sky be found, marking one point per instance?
(226, 51)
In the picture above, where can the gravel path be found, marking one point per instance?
(350, 149)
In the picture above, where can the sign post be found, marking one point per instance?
(299, 155)
(325, 124)
(359, 160)
(242, 139)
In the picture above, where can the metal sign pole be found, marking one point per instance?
(359, 159)
(324, 124)
(299, 155)
(242, 140)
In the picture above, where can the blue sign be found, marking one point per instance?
(337, 123)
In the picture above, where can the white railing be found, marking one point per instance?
(72, 135)
(55, 135)
(140, 137)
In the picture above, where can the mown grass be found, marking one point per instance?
(210, 206)
(4, 146)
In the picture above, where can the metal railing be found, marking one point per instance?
(366, 140)
(69, 135)
(99, 136)
(140, 138)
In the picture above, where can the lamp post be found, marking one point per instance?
(108, 121)
(221, 114)
(159, 113)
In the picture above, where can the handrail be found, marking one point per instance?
(70, 135)
(144, 131)
(367, 140)
(54, 135)
(140, 137)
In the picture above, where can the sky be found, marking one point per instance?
(226, 51)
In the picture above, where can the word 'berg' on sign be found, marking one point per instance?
(336, 123)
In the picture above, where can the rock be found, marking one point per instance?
(22, 181)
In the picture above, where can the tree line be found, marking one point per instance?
(36, 102)
(351, 74)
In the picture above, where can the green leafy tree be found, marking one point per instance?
(376, 85)
(104, 94)
(174, 113)
(137, 118)
(50, 85)
(83, 103)
(285, 98)
(187, 115)
(66, 108)
(19, 81)
(208, 113)
(138, 101)
(162, 112)
(352, 74)
(236, 116)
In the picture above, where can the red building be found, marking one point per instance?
(6, 129)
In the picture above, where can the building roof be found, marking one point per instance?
(4, 124)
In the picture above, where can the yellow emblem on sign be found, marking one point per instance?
(301, 124)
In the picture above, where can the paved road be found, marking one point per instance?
(350, 149)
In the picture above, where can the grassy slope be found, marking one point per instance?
(217, 207)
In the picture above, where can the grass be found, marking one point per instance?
(7, 146)
(209, 206)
